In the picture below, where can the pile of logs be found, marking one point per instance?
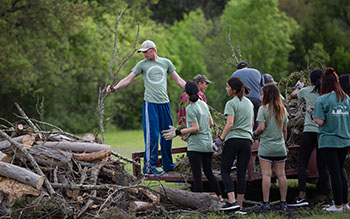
(78, 176)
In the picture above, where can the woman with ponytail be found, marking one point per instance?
(237, 135)
(272, 128)
(309, 142)
(199, 148)
(332, 114)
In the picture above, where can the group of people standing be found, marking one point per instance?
(255, 118)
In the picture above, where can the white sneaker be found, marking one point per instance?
(346, 207)
(333, 209)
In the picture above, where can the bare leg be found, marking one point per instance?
(266, 178)
(240, 198)
(231, 197)
(282, 180)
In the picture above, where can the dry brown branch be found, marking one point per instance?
(102, 95)
(125, 158)
(30, 123)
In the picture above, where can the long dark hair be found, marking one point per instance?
(237, 85)
(315, 78)
(330, 82)
(271, 96)
(344, 81)
(192, 89)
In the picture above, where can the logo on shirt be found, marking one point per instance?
(340, 110)
(155, 75)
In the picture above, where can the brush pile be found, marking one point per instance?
(60, 175)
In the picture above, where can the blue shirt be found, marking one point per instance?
(251, 78)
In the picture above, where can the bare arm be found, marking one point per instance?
(294, 94)
(193, 129)
(211, 121)
(178, 80)
(319, 121)
(229, 124)
(122, 83)
(260, 128)
(285, 132)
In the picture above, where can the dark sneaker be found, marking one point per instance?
(241, 211)
(299, 202)
(229, 206)
(264, 206)
(323, 203)
(282, 206)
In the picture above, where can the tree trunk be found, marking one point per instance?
(21, 175)
(188, 199)
(75, 146)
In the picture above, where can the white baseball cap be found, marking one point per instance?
(146, 45)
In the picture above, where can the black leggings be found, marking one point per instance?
(307, 144)
(335, 158)
(242, 149)
(197, 160)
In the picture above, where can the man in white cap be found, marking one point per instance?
(156, 105)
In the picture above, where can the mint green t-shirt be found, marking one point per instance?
(310, 99)
(271, 140)
(154, 74)
(335, 131)
(243, 114)
(200, 141)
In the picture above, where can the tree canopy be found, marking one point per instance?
(54, 55)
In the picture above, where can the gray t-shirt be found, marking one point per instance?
(154, 74)
(310, 99)
(271, 140)
(243, 114)
(200, 141)
(251, 78)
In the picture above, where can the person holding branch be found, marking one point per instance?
(156, 105)
(199, 148)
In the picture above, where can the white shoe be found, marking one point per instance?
(333, 209)
(346, 207)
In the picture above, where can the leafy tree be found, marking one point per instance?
(317, 54)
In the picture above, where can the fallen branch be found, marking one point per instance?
(125, 158)
(36, 129)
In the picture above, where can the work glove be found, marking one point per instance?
(299, 85)
(170, 133)
(217, 144)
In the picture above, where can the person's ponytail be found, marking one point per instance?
(193, 97)
(192, 90)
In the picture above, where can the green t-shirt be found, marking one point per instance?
(271, 140)
(310, 99)
(154, 74)
(243, 114)
(335, 131)
(200, 141)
